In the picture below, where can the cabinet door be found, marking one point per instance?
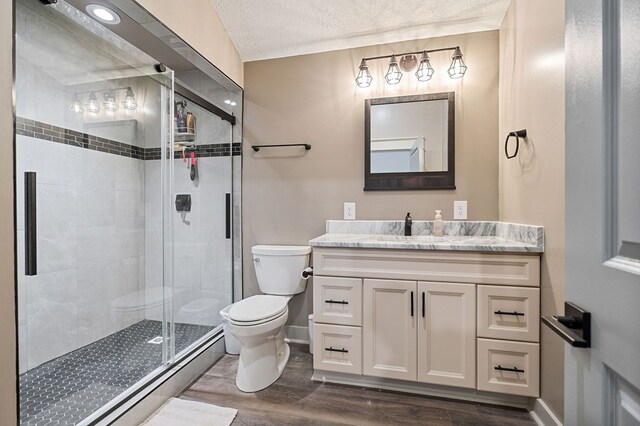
(447, 334)
(389, 329)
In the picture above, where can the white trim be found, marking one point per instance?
(542, 414)
(296, 334)
(422, 389)
(625, 264)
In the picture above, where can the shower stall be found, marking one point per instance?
(128, 161)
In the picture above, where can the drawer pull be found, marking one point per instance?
(339, 302)
(514, 369)
(332, 349)
(514, 313)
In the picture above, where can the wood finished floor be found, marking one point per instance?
(296, 400)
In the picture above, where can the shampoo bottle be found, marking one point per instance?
(438, 225)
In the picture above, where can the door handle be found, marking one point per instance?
(227, 215)
(30, 224)
(423, 305)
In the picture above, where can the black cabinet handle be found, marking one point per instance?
(411, 303)
(514, 313)
(332, 349)
(339, 302)
(227, 215)
(30, 224)
(513, 370)
(423, 307)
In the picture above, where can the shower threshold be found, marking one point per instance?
(70, 388)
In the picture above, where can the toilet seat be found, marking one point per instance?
(257, 310)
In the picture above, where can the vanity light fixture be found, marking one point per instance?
(364, 78)
(458, 67)
(75, 105)
(110, 103)
(103, 14)
(230, 102)
(92, 104)
(424, 72)
(129, 100)
(393, 75)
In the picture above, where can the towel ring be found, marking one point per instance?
(517, 134)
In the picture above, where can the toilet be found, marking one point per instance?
(258, 321)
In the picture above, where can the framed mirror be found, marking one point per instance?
(410, 142)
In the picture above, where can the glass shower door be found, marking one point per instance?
(93, 136)
(202, 258)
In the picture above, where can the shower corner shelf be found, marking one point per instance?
(184, 137)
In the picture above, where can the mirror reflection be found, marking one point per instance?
(409, 137)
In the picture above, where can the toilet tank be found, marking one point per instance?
(278, 268)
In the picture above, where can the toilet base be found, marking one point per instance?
(258, 368)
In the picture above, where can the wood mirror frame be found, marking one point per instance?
(410, 180)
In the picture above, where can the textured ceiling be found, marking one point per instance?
(263, 29)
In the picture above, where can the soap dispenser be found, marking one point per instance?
(438, 225)
(407, 225)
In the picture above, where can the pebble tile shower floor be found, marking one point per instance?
(68, 389)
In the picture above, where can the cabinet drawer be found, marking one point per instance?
(337, 300)
(337, 348)
(509, 367)
(511, 313)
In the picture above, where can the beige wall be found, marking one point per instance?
(8, 368)
(532, 185)
(288, 195)
(197, 22)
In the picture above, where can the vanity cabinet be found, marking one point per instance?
(420, 331)
(461, 320)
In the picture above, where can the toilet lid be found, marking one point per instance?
(257, 308)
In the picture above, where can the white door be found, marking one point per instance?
(603, 208)
(389, 329)
(447, 334)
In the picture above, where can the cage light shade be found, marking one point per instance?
(394, 75)
(129, 100)
(92, 104)
(75, 105)
(110, 103)
(458, 67)
(425, 70)
(364, 78)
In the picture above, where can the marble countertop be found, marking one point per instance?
(459, 236)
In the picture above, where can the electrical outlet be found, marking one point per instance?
(349, 211)
(459, 210)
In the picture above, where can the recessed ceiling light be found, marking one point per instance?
(103, 14)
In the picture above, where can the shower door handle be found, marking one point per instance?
(227, 214)
(30, 225)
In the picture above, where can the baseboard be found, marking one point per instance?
(422, 389)
(296, 334)
(542, 414)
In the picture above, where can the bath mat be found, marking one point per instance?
(181, 412)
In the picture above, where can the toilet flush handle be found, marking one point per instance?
(256, 259)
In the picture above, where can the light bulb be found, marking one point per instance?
(458, 67)
(364, 78)
(129, 100)
(394, 75)
(110, 103)
(92, 104)
(425, 71)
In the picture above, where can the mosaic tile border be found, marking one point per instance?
(49, 132)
